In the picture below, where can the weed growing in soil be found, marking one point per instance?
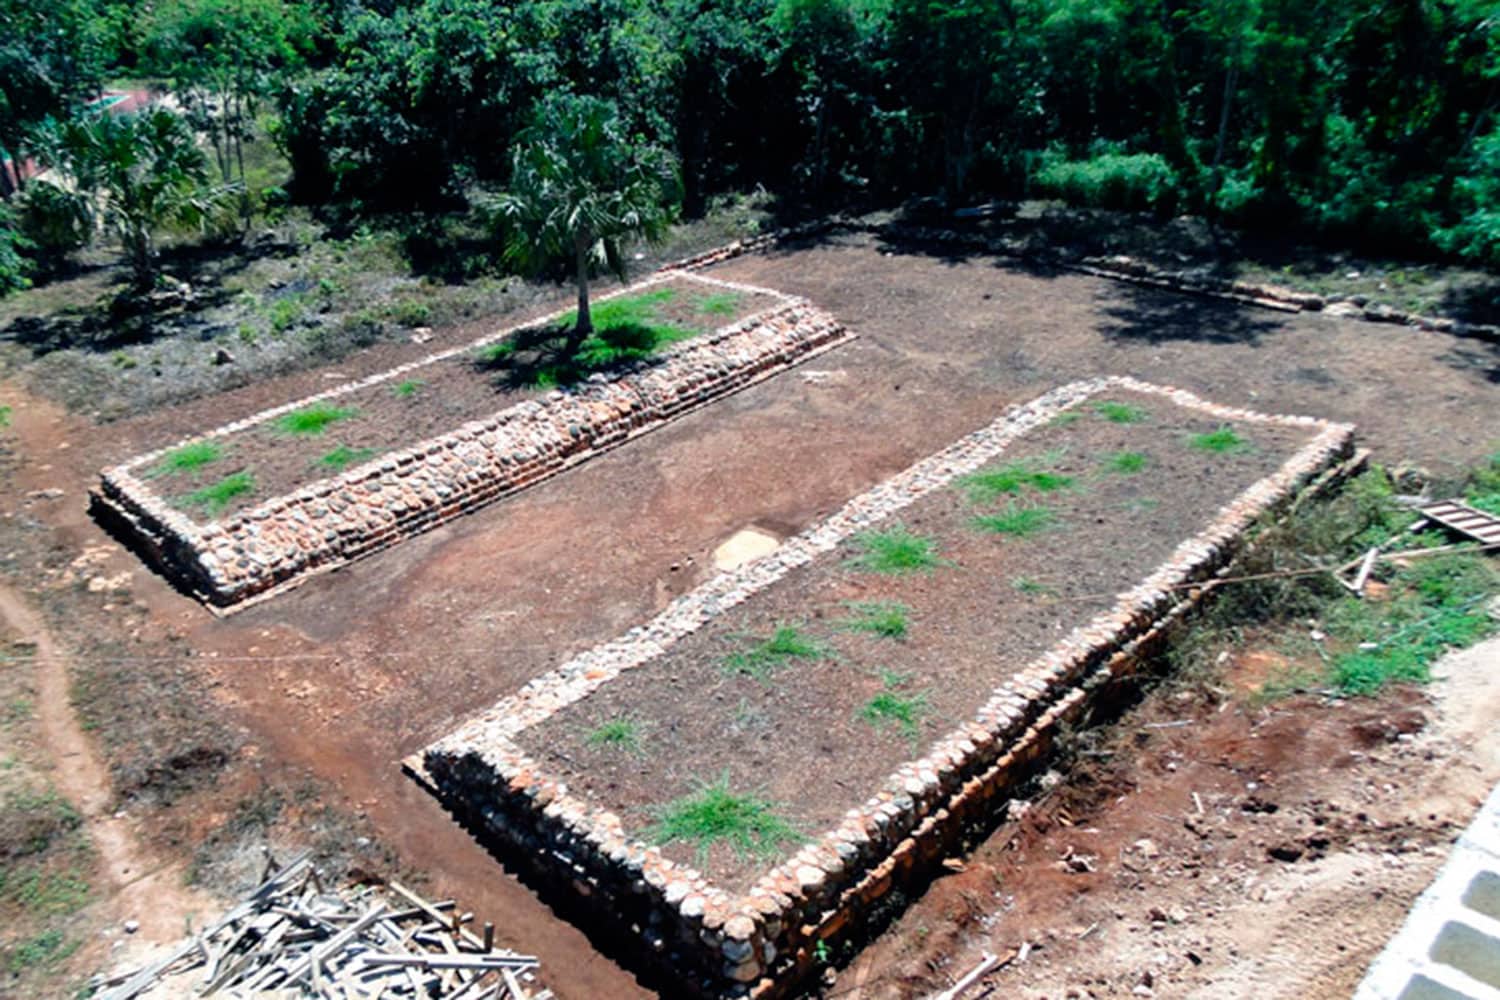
(1120, 413)
(1218, 442)
(987, 487)
(213, 499)
(1017, 521)
(714, 814)
(1065, 418)
(1438, 604)
(887, 619)
(344, 456)
(45, 949)
(1030, 587)
(891, 706)
(1126, 462)
(621, 733)
(768, 655)
(409, 388)
(314, 419)
(1432, 605)
(719, 304)
(896, 550)
(1483, 492)
(189, 458)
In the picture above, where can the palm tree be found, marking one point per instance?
(133, 175)
(579, 188)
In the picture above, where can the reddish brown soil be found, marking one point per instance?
(796, 736)
(433, 400)
(401, 646)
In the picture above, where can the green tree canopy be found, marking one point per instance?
(580, 187)
(133, 175)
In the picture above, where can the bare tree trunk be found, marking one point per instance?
(585, 323)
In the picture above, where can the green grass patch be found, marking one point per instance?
(344, 456)
(887, 619)
(44, 950)
(719, 304)
(496, 353)
(1120, 413)
(1483, 489)
(1438, 604)
(1065, 418)
(896, 550)
(314, 419)
(213, 499)
(188, 458)
(1008, 480)
(1030, 587)
(715, 814)
(622, 733)
(1017, 521)
(409, 388)
(1126, 463)
(1218, 442)
(768, 655)
(892, 706)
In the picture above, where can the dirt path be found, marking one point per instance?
(139, 886)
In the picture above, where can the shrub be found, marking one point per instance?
(1128, 181)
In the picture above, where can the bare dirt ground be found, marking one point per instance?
(333, 683)
(1236, 852)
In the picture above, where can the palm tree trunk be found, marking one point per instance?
(585, 324)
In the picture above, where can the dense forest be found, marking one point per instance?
(1371, 123)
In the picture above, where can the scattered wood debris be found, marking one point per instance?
(294, 936)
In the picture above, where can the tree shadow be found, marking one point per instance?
(541, 357)
(1155, 317)
(1476, 357)
(1478, 302)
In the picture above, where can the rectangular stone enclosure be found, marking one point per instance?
(880, 737)
(279, 542)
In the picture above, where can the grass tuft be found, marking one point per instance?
(887, 619)
(409, 388)
(1120, 413)
(1218, 442)
(189, 458)
(719, 304)
(1126, 463)
(714, 814)
(213, 499)
(1030, 587)
(344, 456)
(1017, 521)
(314, 419)
(892, 706)
(768, 655)
(620, 733)
(987, 487)
(896, 550)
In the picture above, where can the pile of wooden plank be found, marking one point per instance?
(294, 937)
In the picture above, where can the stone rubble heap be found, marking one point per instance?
(759, 943)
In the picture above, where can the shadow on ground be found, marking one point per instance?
(1152, 317)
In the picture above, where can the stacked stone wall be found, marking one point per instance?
(719, 944)
(330, 522)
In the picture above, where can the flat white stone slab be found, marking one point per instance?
(744, 546)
